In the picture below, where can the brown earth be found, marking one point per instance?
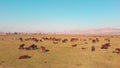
(61, 55)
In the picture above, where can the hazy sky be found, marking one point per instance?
(58, 15)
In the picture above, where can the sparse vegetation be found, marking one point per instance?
(59, 54)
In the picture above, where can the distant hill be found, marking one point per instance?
(93, 31)
(103, 31)
(115, 31)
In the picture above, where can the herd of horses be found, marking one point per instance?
(22, 46)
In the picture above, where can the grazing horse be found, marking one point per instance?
(74, 39)
(22, 46)
(64, 40)
(83, 48)
(97, 39)
(105, 46)
(44, 49)
(92, 48)
(117, 50)
(94, 41)
(40, 40)
(24, 57)
(32, 47)
(74, 45)
(21, 39)
(35, 39)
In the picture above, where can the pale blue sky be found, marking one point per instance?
(58, 15)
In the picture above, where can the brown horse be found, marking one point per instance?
(24, 57)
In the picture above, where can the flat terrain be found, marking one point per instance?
(60, 55)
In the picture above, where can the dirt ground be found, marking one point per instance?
(61, 55)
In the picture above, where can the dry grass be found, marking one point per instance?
(61, 55)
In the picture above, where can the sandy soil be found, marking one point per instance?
(61, 55)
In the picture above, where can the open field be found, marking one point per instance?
(60, 55)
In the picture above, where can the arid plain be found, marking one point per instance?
(60, 54)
